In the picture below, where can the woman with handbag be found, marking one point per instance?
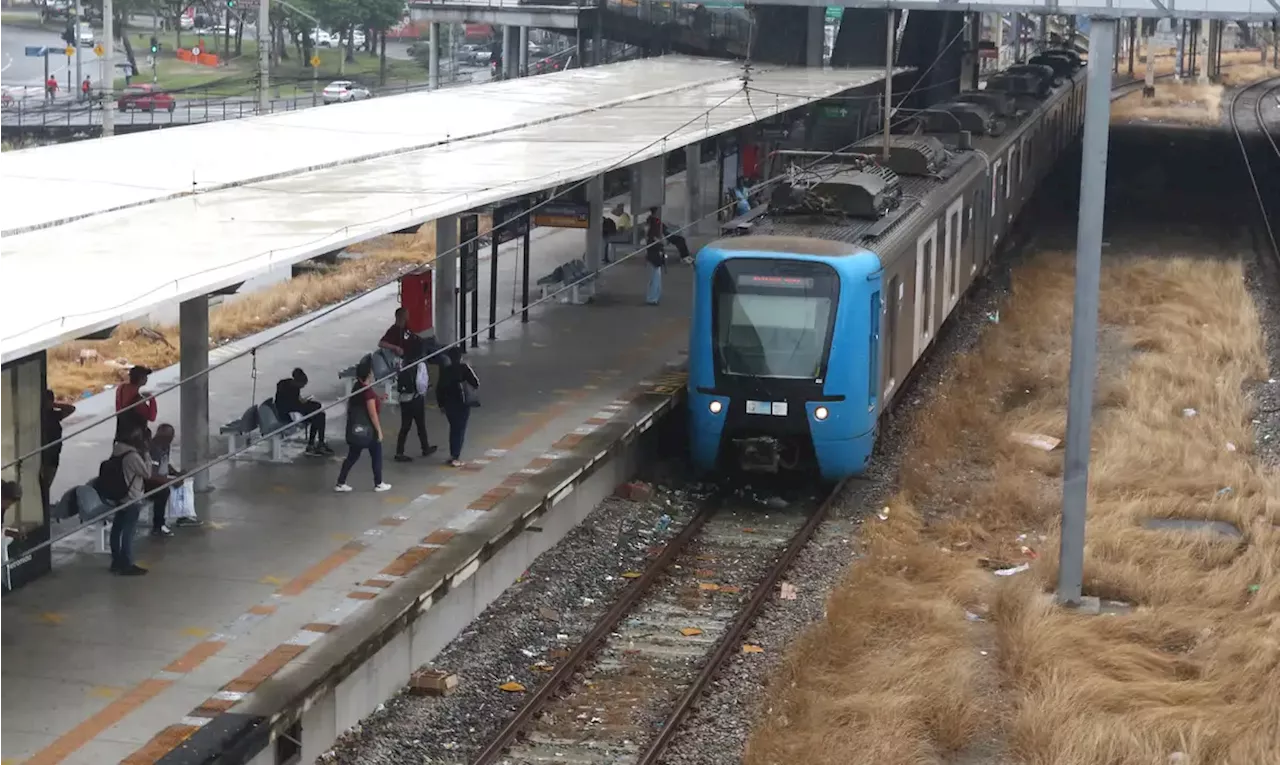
(456, 396)
(364, 428)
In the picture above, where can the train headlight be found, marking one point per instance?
(715, 407)
(820, 413)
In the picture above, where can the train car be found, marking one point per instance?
(808, 321)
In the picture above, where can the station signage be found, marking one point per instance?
(468, 234)
(563, 215)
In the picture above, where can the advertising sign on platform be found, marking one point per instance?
(562, 215)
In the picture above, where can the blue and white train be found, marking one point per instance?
(805, 328)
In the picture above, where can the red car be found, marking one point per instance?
(146, 97)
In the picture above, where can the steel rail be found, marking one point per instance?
(760, 596)
(606, 624)
(1266, 87)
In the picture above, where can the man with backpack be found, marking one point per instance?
(412, 384)
(121, 481)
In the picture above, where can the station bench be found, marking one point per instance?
(741, 225)
(263, 419)
(575, 275)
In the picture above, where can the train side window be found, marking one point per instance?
(995, 184)
(953, 242)
(1013, 166)
(873, 378)
(926, 323)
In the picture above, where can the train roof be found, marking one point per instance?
(800, 245)
(960, 157)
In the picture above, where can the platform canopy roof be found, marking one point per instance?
(103, 231)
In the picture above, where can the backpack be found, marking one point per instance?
(112, 485)
(407, 381)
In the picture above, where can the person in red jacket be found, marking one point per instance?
(128, 394)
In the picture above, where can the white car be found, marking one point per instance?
(342, 91)
(322, 39)
(85, 36)
(357, 38)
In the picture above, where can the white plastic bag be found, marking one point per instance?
(182, 501)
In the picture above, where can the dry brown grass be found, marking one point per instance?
(380, 258)
(896, 673)
(1248, 73)
(1179, 102)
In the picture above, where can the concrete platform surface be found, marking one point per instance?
(102, 669)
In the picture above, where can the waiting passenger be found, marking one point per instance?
(621, 218)
(122, 478)
(135, 418)
(656, 256)
(364, 428)
(290, 398)
(456, 397)
(160, 450)
(51, 437)
(741, 197)
(397, 335)
(412, 384)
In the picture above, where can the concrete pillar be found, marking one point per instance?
(524, 51)
(1202, 44)
(815, 35)
(1180, 67)
(969, 74)
(595, 222)
(433, 57)
(193, 421)
(693, 181)
(636, 199)
(1149, 80)
(445, 281)
(21, 401)
(597, 42)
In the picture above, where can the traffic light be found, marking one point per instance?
(155, 44)
(69, 34)
(231, 4)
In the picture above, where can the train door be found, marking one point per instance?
(926, 290)
(951, 255)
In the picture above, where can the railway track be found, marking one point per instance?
(1259, 151)
(621, 694)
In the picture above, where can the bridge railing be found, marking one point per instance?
(189, 108)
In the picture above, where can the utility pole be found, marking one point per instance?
(79, 21)
(264, 55)
(1084, 317)
(888, 78)
(108, 82)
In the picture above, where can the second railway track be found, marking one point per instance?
(620, 695)
(1260, 152)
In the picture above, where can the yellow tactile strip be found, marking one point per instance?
(279, 657)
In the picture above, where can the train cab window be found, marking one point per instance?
(773, 318)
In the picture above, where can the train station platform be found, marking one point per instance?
(268, 602)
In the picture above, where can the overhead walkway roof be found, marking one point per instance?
(277, 190)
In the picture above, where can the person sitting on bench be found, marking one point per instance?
(290, 398)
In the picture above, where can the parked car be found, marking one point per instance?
(85, 36)
(322, 39)
(358, 38)
(145, 97)
(342, 91)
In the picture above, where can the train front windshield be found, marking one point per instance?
(772, 318)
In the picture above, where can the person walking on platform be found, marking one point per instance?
(364, 428)
(412, 384)
(130, 417)
(122, 478)
(456, 397)
(290, 398)
(51, 436)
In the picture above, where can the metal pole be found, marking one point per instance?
(1179, 69)
(108, 81)
(888, 78)
(46, 75)
(1084, 325)
(524, 300)
(524, 52)
(493, 282)
(79, 74)
(1133, 49)
(263, 34)
(433, 57)
(475, 301)
(315, 73)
